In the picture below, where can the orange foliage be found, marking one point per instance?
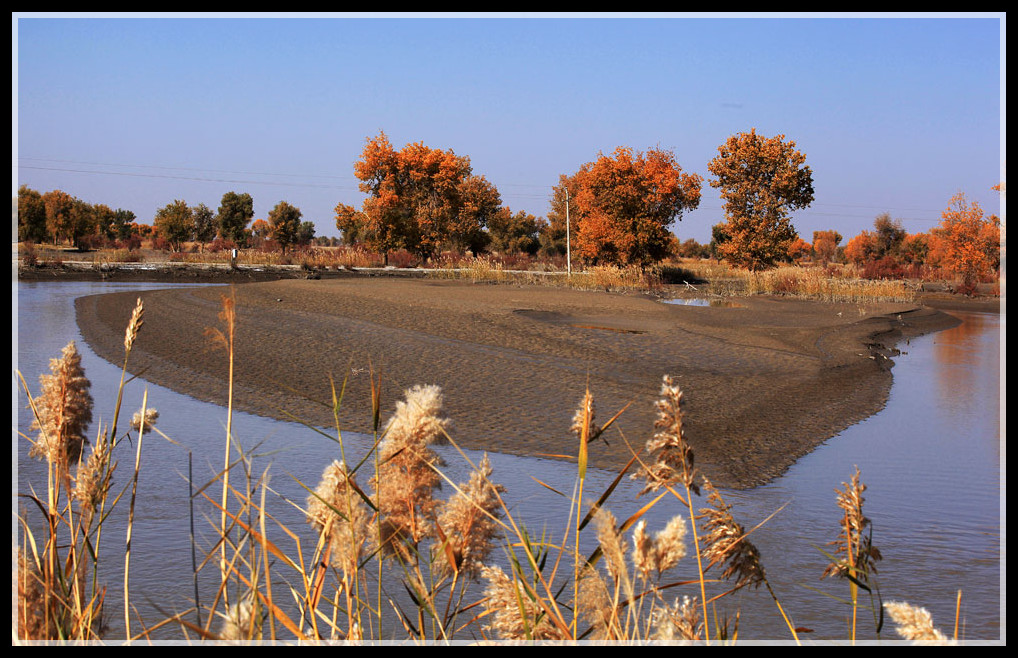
(421, 198)
(800, 250)
(861, 248)
(966, 243)
(761, 179)
(260, 228)
(625, 203)
(825, 245)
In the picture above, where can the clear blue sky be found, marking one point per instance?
(894, 113)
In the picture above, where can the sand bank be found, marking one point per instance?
(764, 383)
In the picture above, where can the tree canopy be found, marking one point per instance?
(285, 222)
(761, 180)
(175, 222)
(625, 203)
(31, 215)
(967, 242)
(235, 211)
(421, 198)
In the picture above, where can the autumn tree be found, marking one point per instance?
(235, 211)
(352, 224)
(175, 223)
(204, 223)
(59, 208)
(799, 250)
(421, 198)
(626, 203)
(889, 236)
(82, 222)
(260, 231)
(285, 222)
(305, 233)
(690, 248)
(761, 181)
(967, 243)
(31, 215)
(825, 245)
(104, 218)
(552, 235)
(915, 248)
(477, 203)
(514, 233)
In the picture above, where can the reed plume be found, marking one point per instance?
(94, 476)
(63, 411)
(726, 543)
(679, 622)
(134, 325)
(407, 476)
(470, 520)
(662, 552)
(515, 612)
(583, 420)
(914, 623)
(853, 543)
(242, 621)
(672, 453)
(339, 514)
(145, 419)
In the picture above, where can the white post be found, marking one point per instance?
(569, 262)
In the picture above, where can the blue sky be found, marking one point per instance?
(894, 113)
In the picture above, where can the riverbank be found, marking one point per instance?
(764, 383)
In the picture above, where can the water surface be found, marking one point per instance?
(930, 459)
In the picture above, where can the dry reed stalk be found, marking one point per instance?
(673, 464)
(337, 512)
(130, 336)
(225, 338)
(130, 515)
(854, 544)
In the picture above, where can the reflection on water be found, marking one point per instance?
(718, 302)
(931, 460)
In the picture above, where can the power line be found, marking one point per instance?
(191, 178)
(814, 211)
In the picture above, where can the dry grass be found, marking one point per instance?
(337, 585)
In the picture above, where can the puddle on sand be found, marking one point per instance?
(719, 302)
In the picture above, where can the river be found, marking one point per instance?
(931, 460)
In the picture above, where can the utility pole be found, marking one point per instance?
(569, 262)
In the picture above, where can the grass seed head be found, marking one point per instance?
(63, 410)
(726, 543)
(914, 623)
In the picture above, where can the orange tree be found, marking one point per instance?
(825, 245)
(284, 219)
(422, 199)
(625, 204)
(966, 243)
(761, 180)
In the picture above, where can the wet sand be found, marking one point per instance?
(764, 383)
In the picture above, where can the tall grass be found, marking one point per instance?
(832, 284)
(388, 555)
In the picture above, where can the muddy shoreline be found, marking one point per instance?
(764, 383)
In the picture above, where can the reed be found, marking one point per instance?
(395, 549)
